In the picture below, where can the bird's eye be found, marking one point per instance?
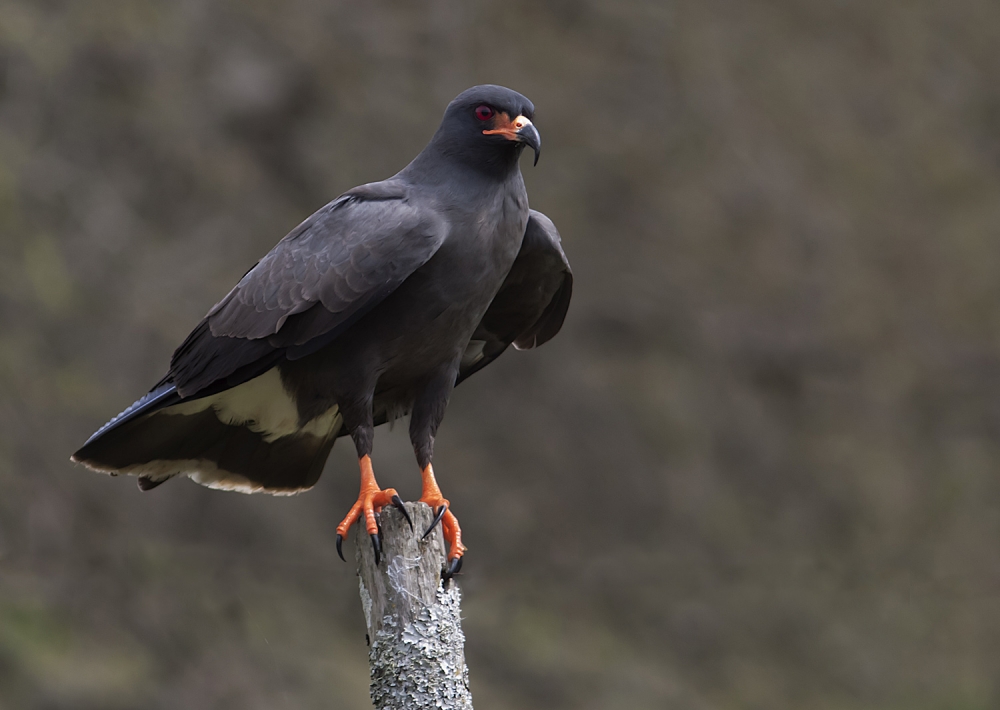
(484, 113)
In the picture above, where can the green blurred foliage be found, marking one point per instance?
(757, 469)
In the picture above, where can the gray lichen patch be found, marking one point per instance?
(422, 664)
(417, 652)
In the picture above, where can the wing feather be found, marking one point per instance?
(319, 279)
(531, 305)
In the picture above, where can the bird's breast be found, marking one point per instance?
(428, 321)
(482, 247)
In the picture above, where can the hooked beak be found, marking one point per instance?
(521, 129)
(529, 134)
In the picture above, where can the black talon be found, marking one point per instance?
(437, 519)
(340, 541)
(397, 503)
(377, 546)
(453, 567)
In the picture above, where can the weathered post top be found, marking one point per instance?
(416, 653)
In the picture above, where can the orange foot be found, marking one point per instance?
(431, 495)
(370, 501)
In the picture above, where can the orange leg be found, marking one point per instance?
(431, 495)
(370, 501)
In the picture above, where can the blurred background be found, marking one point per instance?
(757, 469)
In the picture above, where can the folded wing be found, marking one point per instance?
(321, 278)
(221, 414)
(531, 305)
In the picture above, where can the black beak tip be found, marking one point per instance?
(529, 135)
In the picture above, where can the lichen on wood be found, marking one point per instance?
(416, 654)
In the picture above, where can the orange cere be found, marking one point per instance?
(507, 128)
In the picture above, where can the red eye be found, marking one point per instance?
(484, 113)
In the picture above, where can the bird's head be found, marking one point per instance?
(489, 125)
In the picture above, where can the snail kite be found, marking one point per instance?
(374, 307)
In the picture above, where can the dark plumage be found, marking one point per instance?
(374, 307)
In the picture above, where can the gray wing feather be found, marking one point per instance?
(323, 276)
(344, 251)
(531, 305)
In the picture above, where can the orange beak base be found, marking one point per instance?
(521, 129)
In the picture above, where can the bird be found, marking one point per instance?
(373, 308)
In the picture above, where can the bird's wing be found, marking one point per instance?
(321, 278)
(531, 305)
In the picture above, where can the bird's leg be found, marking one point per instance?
(358, 415)
(371, 499)
(431, 495)
(428, 411)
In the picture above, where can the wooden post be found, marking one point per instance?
(416, 646)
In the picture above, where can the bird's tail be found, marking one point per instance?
(248, 439)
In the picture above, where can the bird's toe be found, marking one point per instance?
(370, 502)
